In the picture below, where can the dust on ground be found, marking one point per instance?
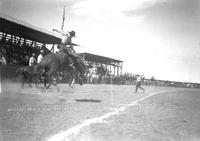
(32, 114)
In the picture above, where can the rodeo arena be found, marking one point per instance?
(72, 96)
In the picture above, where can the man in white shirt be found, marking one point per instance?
(40, 56)
(138, 83)
(32, 60)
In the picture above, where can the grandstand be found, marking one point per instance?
(110, 64)
(20, 40)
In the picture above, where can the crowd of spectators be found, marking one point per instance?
(126, 78)
(130, 79)
(18, 51)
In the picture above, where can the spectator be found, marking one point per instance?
(40, 56)
(2, 59)
(32, 60)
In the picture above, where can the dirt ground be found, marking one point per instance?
(99, 113)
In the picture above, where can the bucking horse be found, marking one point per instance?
(60, 61)
(51, 65)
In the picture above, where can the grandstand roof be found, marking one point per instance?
(99, 59)
(25, 30)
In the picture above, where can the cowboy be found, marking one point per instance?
(67, 41)
(66, 46)
(32, 60)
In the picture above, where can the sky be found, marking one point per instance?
(159, 38)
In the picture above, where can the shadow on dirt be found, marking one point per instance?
(88, 100)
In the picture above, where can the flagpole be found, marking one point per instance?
(63, 19)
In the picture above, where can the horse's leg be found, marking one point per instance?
(21, 78)
(22, 86)
(45, 81)
(29, 81)
(87, 78)
(45, 78)
(71, 84)
(26, 77)
(55, 83)
(42, 78)
(37, 81)
(80, 78)
(90, 79)
(80, 81)
(49, 78)
(47, 86)
(52, 81)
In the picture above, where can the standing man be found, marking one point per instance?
(32, 60)
(138, 83)
(40, 56)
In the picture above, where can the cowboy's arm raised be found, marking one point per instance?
(60, 32)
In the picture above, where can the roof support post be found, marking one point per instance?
(117, 70)
(52, 48)
(114, 70)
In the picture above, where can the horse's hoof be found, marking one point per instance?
(71, 86)
(44, 89)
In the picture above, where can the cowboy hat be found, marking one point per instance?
(72, 33)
